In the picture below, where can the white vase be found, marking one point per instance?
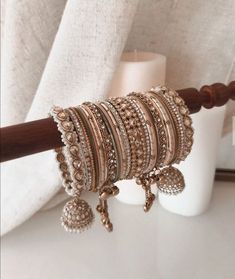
(199, 167)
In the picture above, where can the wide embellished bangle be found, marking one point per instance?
(181, 114)
(120, 135)
(151, 137)
(73, 166)
(140, 136)
(86, 149)
(132, 124)
(77, 214)
(157, 122)
(108, 142)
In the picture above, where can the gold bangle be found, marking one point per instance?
(120, 137)
(133, 128)
(150, 134)
(153, 143)
(86, 147)
(169, 128)
(182, 120)
(107, 140)
(98, 145)
(74, 168)
(172, 126)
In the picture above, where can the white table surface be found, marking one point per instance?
(157, 244)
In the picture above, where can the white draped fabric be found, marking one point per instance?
(53, 53)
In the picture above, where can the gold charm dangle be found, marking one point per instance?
(145, 181)
(149, 197)
(106, 192)
(77, 215)
(171, 181)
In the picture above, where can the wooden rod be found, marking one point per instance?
(41, 135)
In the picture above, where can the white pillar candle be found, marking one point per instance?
(199, 167)
(137, 71)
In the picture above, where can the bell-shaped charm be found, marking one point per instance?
(171, 181)
(77, 215)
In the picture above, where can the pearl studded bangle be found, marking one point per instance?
(152, 151)
(86, 148)
(73, 166)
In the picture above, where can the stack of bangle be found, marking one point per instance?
(139, 136)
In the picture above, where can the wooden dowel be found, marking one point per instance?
(29, 138)
(41, 135)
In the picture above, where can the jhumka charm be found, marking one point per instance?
(77, 215)
(171, 181)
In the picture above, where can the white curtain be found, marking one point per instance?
(55, 52)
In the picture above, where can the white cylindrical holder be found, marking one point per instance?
(137, 71)
(199, 167)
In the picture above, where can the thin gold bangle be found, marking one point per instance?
(115, 127)
(108, 143)
(99, 145)
(92, 144)
(173, 124)
(169, 128)
(153, 152)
